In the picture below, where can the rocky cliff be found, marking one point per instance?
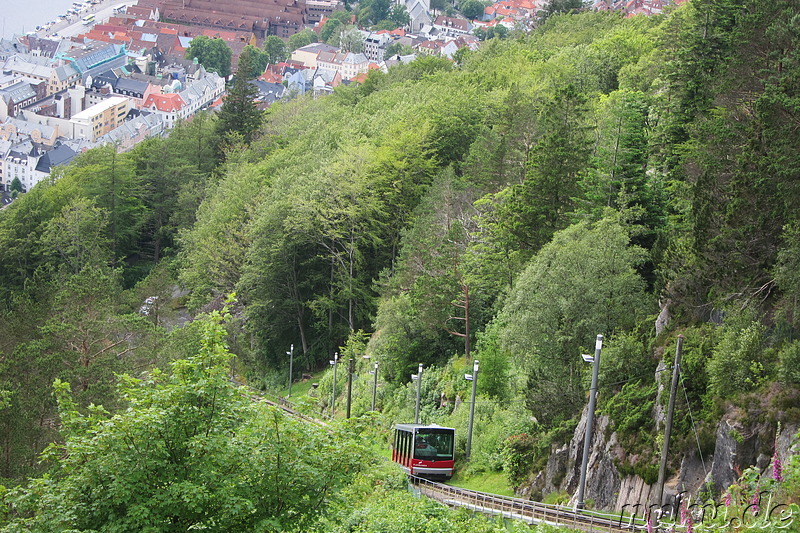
(737, 447)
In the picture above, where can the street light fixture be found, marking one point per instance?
(290, 353)
(587, 439)
(374, 385)
(474, 378)
(333, 389)
(418, 378)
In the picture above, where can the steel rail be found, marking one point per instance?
(529, 511)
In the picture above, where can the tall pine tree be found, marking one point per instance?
(239, 117)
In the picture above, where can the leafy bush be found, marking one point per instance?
(631, 413)
(518, 454)
(789, 363)
(736, 365)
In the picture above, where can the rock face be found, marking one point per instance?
(736, 449)
(602, 478)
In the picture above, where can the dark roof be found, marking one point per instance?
(108, 77)
(269, 92)
(130, 85)
(61, 155)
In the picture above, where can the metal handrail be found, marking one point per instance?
(528, 510)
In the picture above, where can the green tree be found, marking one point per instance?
(397, 48)
(174, 173)
(78, 237)
(739, 362)
(16, 186)
(239, 115)
(213, 54)
(582, 283)
(556, 7)
(256, 59)
(539, 206)
(472, 9)
(350, 39)
(276, 50)
(191, 451)
(373, 11)
(399, 15)
(330, 32)
(110, 179)
(301, 39)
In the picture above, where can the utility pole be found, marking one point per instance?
(474, 378)
(418, 377)
(374, 385)
(333, 389)
(662, 467)
(351, 368)
(290, 353)
(587, 439)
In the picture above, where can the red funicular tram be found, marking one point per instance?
(424, 451)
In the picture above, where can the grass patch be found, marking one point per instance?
(491, 482)
(301, 388)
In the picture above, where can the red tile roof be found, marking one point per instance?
(164, 102)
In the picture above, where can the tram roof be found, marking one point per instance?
(417, 427)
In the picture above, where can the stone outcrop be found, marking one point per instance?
(602, 477)
(737, 448)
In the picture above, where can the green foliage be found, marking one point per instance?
(16, 186)
(625, 358)
(472, 9)
(255, 59)
(582, 283)
(398, 48)
(737, 364)
(400, 511)
(213, 54)
(191, 451)
(557, 182)
(398, 16)
(495, 366)
(518, 455)
(301, 39)
(631, 412)
(276, 49)
(789, 358)
(239, 118)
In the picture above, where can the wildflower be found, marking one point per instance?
(727, 500)
(777, 469)
(650, 524)
(755, 502)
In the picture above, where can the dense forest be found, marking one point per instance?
(632, 177)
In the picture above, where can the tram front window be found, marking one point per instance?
(433, 445)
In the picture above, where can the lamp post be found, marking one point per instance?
(290, 353)
(587, 439)
(351, 368)
(662, 466)
(374, 385)
(333, 388)
(418, 377)
(474, 378)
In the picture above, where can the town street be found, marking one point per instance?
(73, 25)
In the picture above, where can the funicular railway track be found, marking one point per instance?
(279, 402)
(526, 510)
(483, 502)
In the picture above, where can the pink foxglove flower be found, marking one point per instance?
(777, 468)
